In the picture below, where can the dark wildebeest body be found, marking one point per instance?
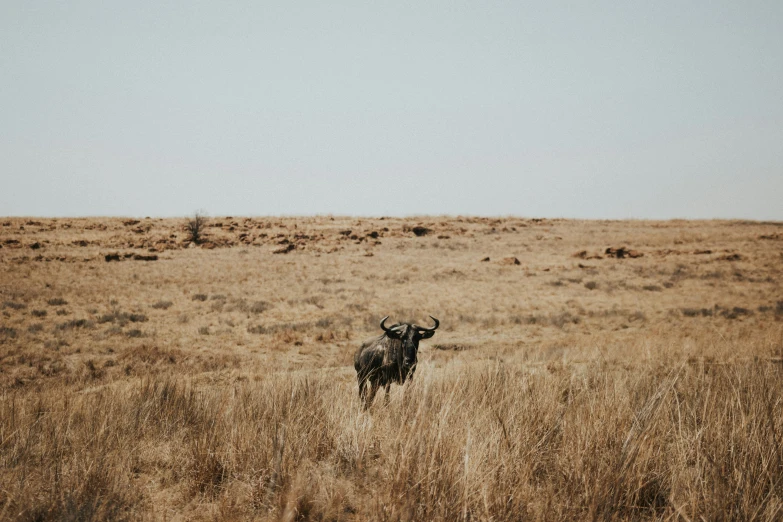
(390, 358)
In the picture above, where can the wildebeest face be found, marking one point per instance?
(410, 347)
(409, 335)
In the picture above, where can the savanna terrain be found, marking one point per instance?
(583, 370)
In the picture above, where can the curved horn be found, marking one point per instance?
(383, 327)
(425, 329)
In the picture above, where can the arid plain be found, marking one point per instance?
(583, 370)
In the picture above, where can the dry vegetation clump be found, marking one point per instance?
(217, 382)
(487, 441)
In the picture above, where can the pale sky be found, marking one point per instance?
(664, 109)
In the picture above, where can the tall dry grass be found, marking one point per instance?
(485, 441)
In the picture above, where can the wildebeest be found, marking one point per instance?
(389, 358)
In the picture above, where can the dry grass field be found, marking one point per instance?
(144, 377)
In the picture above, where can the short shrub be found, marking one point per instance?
(324, 322)
(35, 328)
(259, 307)
(695, 312)
(75, 323)
(7, 333)
(736, 312)
(195, 227)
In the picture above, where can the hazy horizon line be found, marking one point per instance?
(392, 216)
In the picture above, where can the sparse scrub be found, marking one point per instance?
(55, 344)
(93, 371)
(560, 320)
(451, 347)
(108, 318)
(14, 305)
(298, 327)
(114, 330)
(324, 322)
(259, 307)
(736, 312)
(57, 301)
(75, 323)
(257, 329)
(122, 318)
(162, 305)
(240, 305)
(330, 335)
(695, 312)
(637, 316)
(200, 297)
(38, 313)
(314, 300)
(6, 332)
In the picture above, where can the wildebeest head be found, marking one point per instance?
(409, 336)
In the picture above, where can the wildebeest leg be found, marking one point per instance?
(373, 390)
(406, 391)
(362, 389)
(388, 387)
